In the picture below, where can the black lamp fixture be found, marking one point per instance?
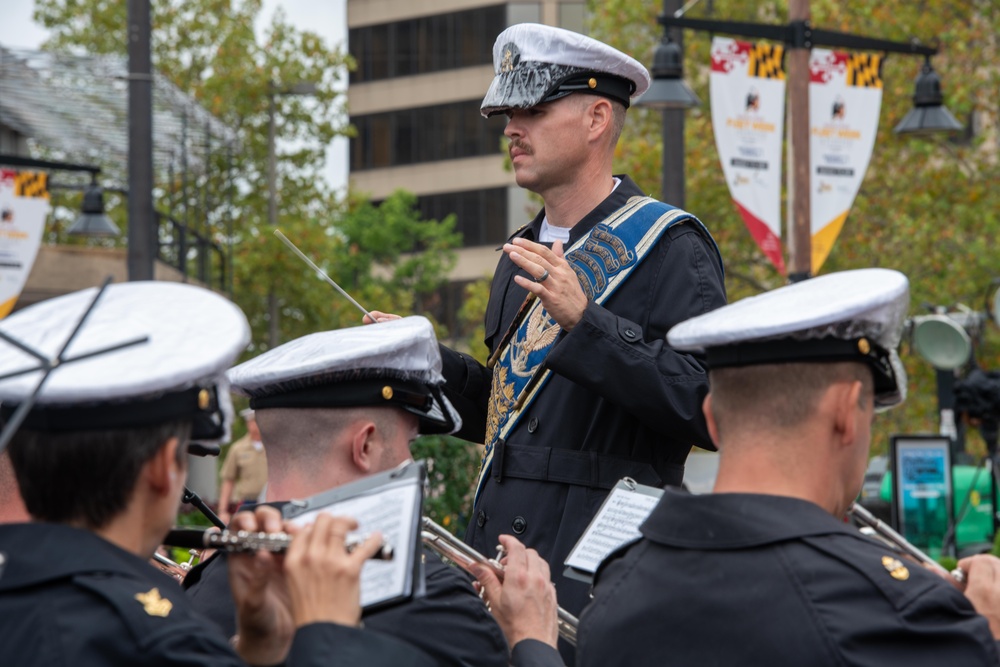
(92, 220)
(928, 114)
(668, 89)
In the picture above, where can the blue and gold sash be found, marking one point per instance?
(603, 259)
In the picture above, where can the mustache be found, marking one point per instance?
(517, 143)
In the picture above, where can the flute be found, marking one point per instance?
(243, 541)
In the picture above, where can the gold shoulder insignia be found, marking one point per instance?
(153, 604)
(895, 568)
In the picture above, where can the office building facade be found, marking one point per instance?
(422, 69)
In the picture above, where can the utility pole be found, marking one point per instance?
(273, 333)
(673, 176)
(142, 236)
(799, 228)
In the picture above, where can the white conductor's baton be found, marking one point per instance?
(322, 273)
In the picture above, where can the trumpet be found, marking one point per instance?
(895, 539)
(464, 556)
(243, 541)
(176, 570)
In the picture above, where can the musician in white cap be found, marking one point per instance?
(764, 570)
(582, 389)
(110, 393)
(337, 406)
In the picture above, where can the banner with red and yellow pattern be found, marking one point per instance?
(845, 97)
(24, 203)
(747, 87)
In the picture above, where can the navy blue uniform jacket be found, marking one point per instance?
(741, 579)
(68, 598)
(620, 401)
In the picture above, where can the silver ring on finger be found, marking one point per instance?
(542, 278)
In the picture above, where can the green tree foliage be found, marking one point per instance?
(452, 466)
(386, 257)
(927, 207)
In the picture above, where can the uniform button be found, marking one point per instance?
(518, 525)
(532, 425)
(481, 519)
(629, 334)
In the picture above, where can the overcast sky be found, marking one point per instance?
(328, 18)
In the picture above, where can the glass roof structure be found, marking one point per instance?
(75, 109)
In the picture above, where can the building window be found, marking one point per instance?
(523, 12)
(572, 16)
(480, 215)
(426, 44)
(424, 134)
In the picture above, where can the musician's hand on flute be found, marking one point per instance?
(323, 578)
(264, 619)
(524, 603)
(982, 587)
(378, 316)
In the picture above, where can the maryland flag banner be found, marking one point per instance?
(845, 97)
(24, 203)
(747, 88)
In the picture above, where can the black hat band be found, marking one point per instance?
(788, 351)
(198, 404)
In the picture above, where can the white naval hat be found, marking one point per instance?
(537, 63)
(395, 363)
(183, 339)
(851, 315)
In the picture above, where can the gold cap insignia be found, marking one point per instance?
(204, 399)
(592, 83)
(507, 64)
(387, 392)
(153, 604)
(895, 568)
(864, 347)
(511, 57)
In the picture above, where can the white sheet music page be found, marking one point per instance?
(616, 523)
(389, 511)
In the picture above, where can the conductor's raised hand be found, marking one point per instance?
(552, 279)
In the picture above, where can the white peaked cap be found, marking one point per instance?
(537, 63)
(178, 373)
(395, 363)
(851, 315)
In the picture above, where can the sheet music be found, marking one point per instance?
(616, 523)
(389, 511)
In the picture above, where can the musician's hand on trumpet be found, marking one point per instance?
(524, 603)
(982, 587)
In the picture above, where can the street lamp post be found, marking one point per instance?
(273, 91)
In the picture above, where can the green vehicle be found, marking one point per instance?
(973, 508)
